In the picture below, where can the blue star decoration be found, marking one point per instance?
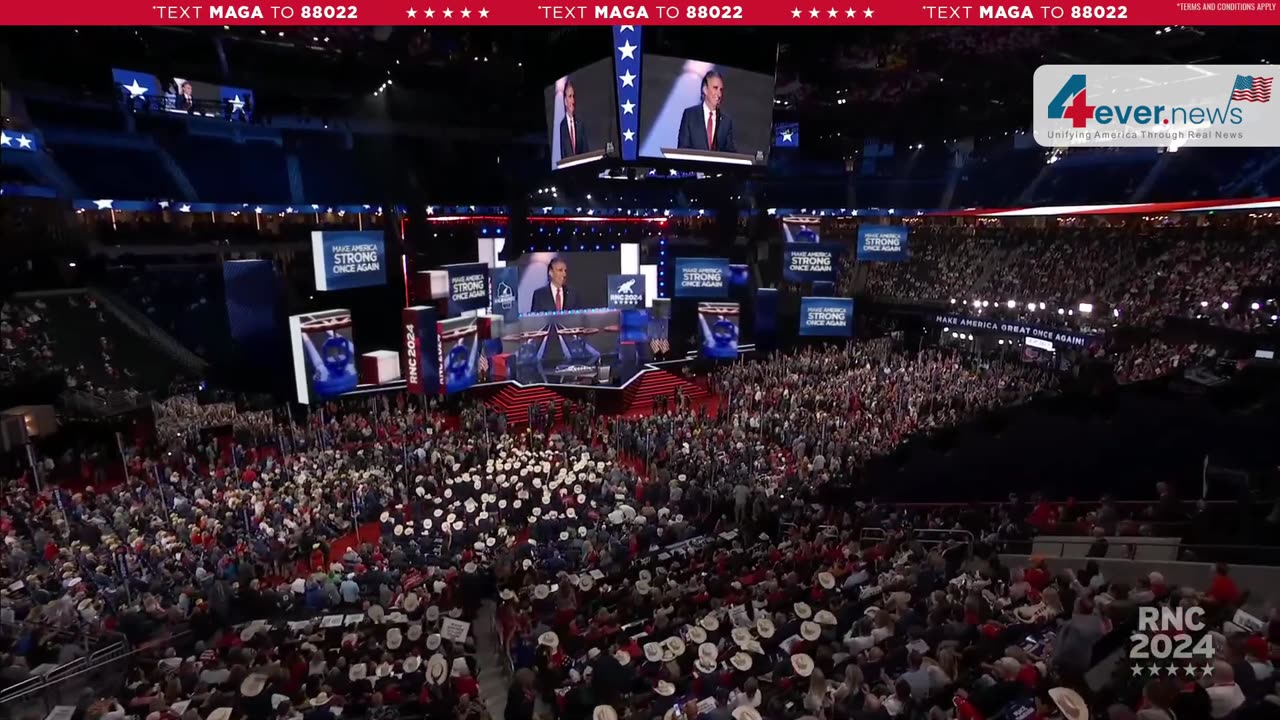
(626, 66)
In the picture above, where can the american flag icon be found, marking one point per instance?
(1251, 89)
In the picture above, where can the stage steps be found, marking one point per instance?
(639, 395)
(514, 402)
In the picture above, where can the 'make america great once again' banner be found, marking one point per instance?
(1055, 335)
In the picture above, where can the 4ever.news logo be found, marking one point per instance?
(1072, 103)
(1171, 641)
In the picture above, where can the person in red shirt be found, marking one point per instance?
(1223, 590)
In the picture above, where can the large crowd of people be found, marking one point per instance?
(686, 563)
(1220, 272)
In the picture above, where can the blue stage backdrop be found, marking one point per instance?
(809, 262)
(346, 259)
(468, 287)
(826, 317)
(766, 312)
(882, 243)
(503, 282)
(702, 277)
(626, 292)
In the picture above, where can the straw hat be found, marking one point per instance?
(709, 623)
(826, 580)
(433, 641)
(676, 645)
(746, 712)
(549, 639)
(802, 664)
(705, 665)
(604, 712)
(802, 610)
(652, 651)
(741, 661)
(1070, 703)
(709, 651)
(765, 628)
(394, 639)
(642, 587)
(623, 658)
(317, 701)
(824, 617)
(540, 592)
(697, 634)
(741, 636)
(412, 602)
(376, 613)
(810, 630)
(412, 663)
(415, 632)
(665, 688)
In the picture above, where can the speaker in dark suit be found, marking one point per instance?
(573, 134)
(705, 126)
(556, 295)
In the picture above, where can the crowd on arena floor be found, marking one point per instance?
(767, 605)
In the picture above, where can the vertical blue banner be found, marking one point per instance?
(468, 287)
(503, 283)
(882, 243)
(766, 311)
(702, 277)
(626, 66)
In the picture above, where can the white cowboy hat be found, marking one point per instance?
(1070, 703)
(549, 639)
(642, 587)
(321, 699)
(652, 651)
(741, 661)
(802, 610)
(826, 580)
(704, 665)
(376, 613)
(394, 639)
(802, 664)
(709, 623)
(604, 712)
(507, 594)
(741, 636)
(358, 671)
(746, 712)
(697, 634)
(412, 663)
(437, 669)
(253, 685)
(824, 617)
(540, 592)
(665, 688)
(709, 651)
(810, 630)
(412, 602)
(765, 628)
(623, 658)
(415, 632)
(676, 645)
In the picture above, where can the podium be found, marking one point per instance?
(710, 156)
(580, 159)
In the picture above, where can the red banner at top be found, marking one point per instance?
(846, 13)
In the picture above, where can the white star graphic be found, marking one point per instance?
(135, 90)
(448, 13)
(103, 204)
(832, 12)
(484, 13)
(1153, 670)
(625, 28)
(628, 50)
(813, 13)
(795, 13)
(236, 103)
(413, 13)
(5, 139)
(786, 136)
(288, 209)
(628, 80)
(868, 12)
(851, 13)
(429, 13)
(258, 209)
(1206, 669)
(466, 13)
(628, 108)
(185, 208)
(1136, 670)
(629, 135)
(164, 204)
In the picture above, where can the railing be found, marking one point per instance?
(61, 685)
(104, 405)
(1069, 548)
(925, 536)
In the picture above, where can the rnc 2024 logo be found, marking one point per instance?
(1171, 641)
(1153, 106)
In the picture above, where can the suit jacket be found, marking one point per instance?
(579, 135)
(693, 131)
(544, 301)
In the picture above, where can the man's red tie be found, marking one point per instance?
(711, 131)
(559, 299)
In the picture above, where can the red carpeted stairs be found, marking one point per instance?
(639, 395)
(514, 402)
